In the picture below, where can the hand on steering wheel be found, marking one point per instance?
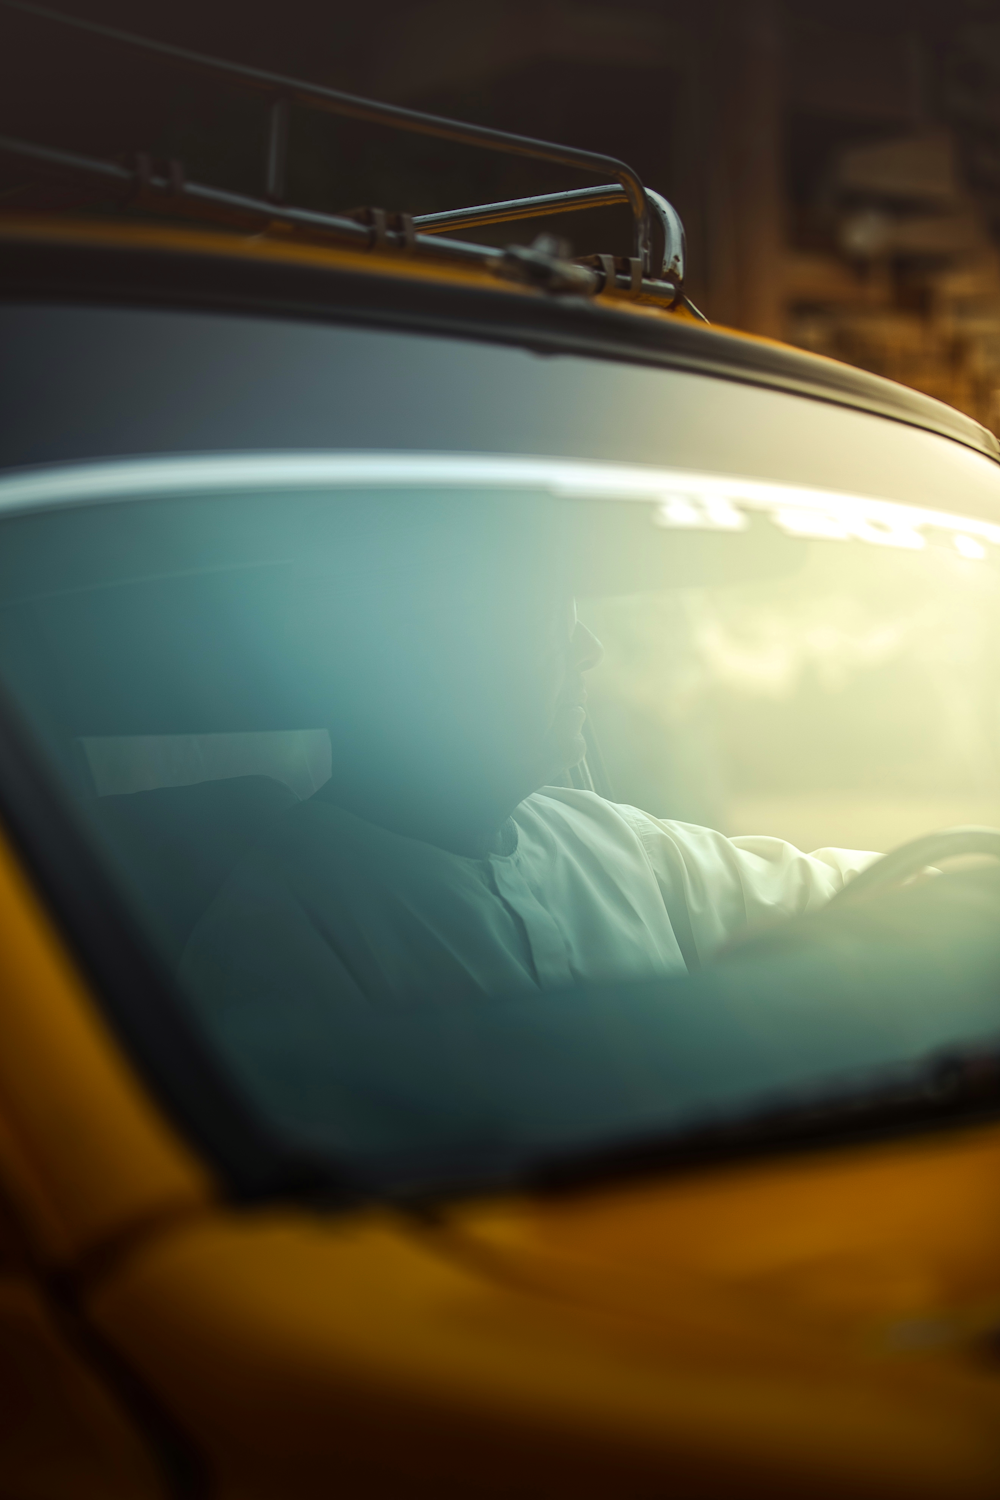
(909, 859)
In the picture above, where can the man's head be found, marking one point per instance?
(461, 669)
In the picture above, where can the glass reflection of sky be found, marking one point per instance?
(683, 500)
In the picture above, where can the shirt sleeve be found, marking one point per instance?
(715, 888)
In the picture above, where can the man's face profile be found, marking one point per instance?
(571, 651)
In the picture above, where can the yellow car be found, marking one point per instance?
(336, 1188)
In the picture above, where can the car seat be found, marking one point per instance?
(174, 846)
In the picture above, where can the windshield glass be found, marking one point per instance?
(454, 789)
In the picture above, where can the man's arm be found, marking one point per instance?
(716, 888)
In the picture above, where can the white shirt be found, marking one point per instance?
(332, 908)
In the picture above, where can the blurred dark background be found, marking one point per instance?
(837, 165)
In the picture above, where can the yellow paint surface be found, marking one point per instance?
(84, 1154)
(365, 1348)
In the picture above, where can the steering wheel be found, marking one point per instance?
(910, 858)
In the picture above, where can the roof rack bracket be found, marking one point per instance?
(664, 249)
(659, 238)
(542, 265)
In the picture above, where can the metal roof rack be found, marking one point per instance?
(655, 269)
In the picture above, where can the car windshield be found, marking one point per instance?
(484, 804)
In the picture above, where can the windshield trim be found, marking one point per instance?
(946, 1092)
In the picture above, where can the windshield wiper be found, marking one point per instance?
(950, 1090)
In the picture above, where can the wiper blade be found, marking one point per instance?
(950, 1091)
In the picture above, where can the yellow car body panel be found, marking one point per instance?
(881, 1249)
(61, 1430)
(379, 1352)
(84, 1154)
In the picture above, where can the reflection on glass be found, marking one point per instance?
(442, 878)
(855, 702)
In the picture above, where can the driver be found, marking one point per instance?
(443, 857)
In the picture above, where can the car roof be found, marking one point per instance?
(263, 254)
(68, 258)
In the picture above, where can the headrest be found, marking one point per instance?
(175, 846)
